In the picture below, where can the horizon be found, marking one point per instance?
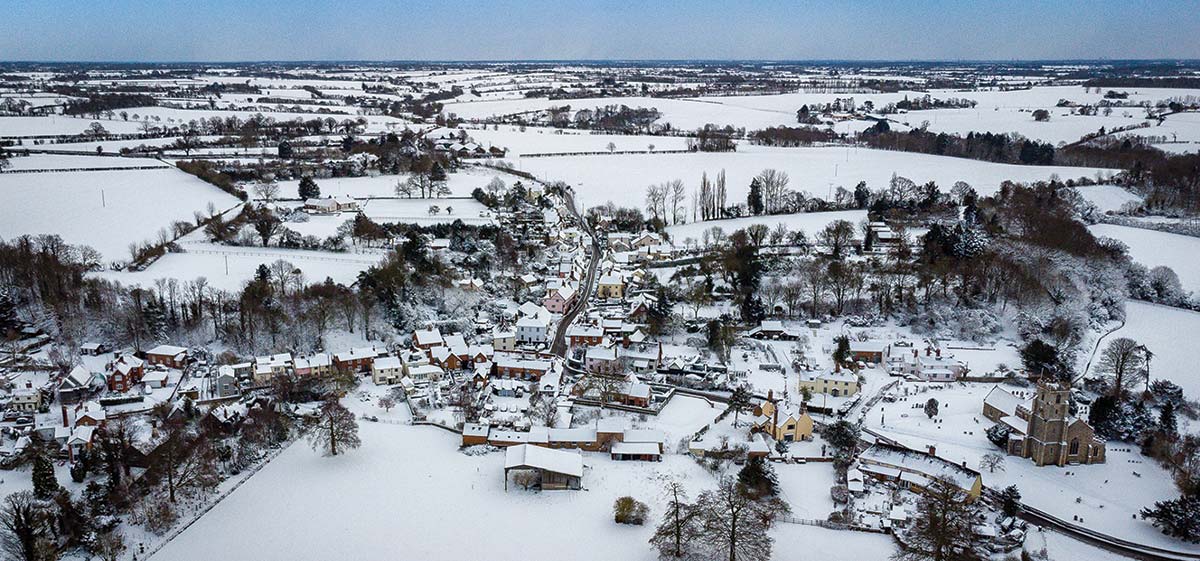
(605, 30)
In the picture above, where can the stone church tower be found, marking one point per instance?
(1046, 440)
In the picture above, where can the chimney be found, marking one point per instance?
(927, 351)
(932, 450)
(837, 366)
(916, 353)
(29, 384)
(64, 416)
(939, 353)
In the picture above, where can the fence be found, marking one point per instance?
(67, 170)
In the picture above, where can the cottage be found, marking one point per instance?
(125, 373)
(783, 421)
(560, 300)
(356, 360)
(916, 470)
(589, 335)
(320, 364)
(611, 285)
(26, 400)
(386, 370)
(168, 355)
(869, 351)
(427, 338)
(504, 339)
(838, 383)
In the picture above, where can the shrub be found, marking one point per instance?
(628, 510)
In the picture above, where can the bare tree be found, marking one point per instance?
(25, 528)
(678, 195)
(333, 426)
(266, 190)
(676, 535)
(1122, 359)
(386, 403)
(733, 526)
(943, 527)
(992, 461)
(184, 461)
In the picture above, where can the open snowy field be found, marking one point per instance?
(416, 211)
(540, 140)
(229, 268)
(1153, 248)
(622, 179)
(1159, 328)
(59, 124)
(461, 184)
(407, 493)
(56, 161)
(809, 222)
(1108, 197)
(107, 210)
(1105, 495)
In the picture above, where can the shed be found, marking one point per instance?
(556, 469)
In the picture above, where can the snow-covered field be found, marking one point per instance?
(229, 268)
(622, 179)
(538, 140)
(1105, 496)
(107, 210)
(1108, 197)
(416, 211)
(407, 493)
(1153, 248)
(1160, 329)
(58, 124)
(809, 222)
(461, 184)
(55, 161)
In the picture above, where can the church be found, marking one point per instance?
(1042, 428)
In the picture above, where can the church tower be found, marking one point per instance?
(1048, 424)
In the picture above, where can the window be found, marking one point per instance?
(1074, 446)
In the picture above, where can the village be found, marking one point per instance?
(370, 297)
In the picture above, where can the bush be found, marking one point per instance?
(628, 510)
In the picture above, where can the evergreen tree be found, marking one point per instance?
(739, 400)
(8, 312)
(757, 479)
(45, 483)
(1167, 424)
(1179, 518)
(308, 188)
(1010, 500)
(754, 200)
(285, 150)
(437, 172)
(862, 195)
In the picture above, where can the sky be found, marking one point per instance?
(226, 30)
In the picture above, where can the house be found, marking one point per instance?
(93, 349)
(346, 203)
(427, 338)
(642, 451)
(838, 383)
(783, 421)
(521, 366)
(125, 373)
(610, 285)
(603, 361)
(1042, 429)
(589, 335)
(773, 329)
(78, 384)
(555, 469)
(474, 434)
(225, 384)
(560, 300)
(634, 393)
(155, 379)
(355, 360)
(320, 364)
(269, 366)
(90, 414)
(321, 206)
(425, 373)
(387, 370)
(26, 400)
(533, 330)
(869, 351)
(168, 355)
(916, 470)
(504, 339)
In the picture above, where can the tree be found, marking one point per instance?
(308, 188)
(109, 546)
(266, 190)
(837, 236)
(757, 479)
(612, 147)
(1041, 115)
(25, 530)
(842, 437)
(333, 426)
(992, 461)
(1122, 359)
(628, 510)
(544, 407)
(387, 402)
(1010, 500)
(405, 188)
(931, 407)
(734, 526)
(841, 349)
(674, 537)
(943, 526)
(754, 200)
(45, 483)
(1179, 518)
(739, 400)
(184, 460)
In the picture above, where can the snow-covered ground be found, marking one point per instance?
(622, 179)
(1108, 197)
(1106, 496)
(56, 161)
(59, 124)
(538, 140)
(809, 222)
(416, 211)
(1165, 331)
(461, 184)
(1153, 248)
(107, 210)
(408, 493)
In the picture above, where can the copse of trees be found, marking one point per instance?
(986, 146)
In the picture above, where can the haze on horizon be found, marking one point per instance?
(225, 30)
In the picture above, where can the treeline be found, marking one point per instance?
(97, 104)
(990, 147)
(792, 136)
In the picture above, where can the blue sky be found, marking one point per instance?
(224, 30)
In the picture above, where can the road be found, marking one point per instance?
(559, 347)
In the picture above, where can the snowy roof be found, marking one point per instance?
(612, 424)
(428, 337)
(167, 350)
(868, 346)
(924, 464)
(387, 363)
(548, 459)
(475, 429)
(1003, 400)
(643, 448)
(356, 354)
(645, 435)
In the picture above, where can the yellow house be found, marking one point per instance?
(836, 383)
(784, 422)
(610, 286)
